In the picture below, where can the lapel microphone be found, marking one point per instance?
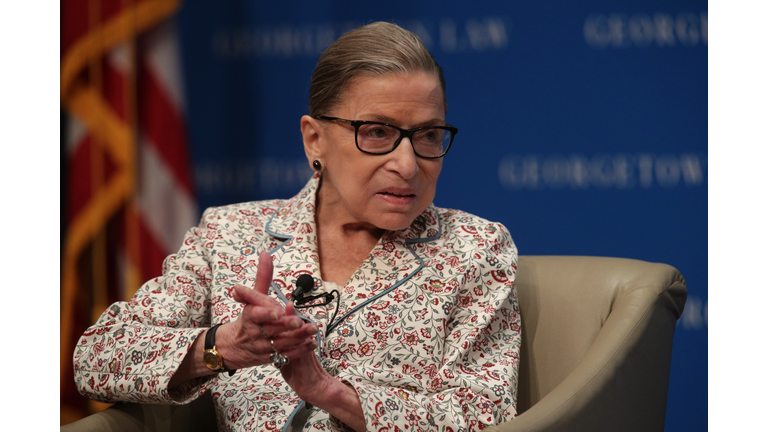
(306, 284)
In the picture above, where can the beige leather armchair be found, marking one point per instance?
(597, 344)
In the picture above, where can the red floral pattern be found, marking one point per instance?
(428, 329)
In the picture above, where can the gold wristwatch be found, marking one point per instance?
(211, 356)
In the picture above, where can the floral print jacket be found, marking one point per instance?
(427, 331)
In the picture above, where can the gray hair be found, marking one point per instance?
(377, 49)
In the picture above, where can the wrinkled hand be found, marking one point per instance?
(314, 385)
(246, 342)
(305, 374)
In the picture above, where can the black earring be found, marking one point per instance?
(317, 166)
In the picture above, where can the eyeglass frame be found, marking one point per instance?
(404, 133)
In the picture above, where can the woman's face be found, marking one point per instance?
(376, 191)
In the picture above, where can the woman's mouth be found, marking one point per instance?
(397, 197)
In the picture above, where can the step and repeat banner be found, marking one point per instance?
(582, 125)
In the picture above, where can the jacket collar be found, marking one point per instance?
(395, 258)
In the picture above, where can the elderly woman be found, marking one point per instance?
(409, 319)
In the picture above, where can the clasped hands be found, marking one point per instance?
(265, 330)
(268, 333)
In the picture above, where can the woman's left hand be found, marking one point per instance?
(314, 385)
(305, 374)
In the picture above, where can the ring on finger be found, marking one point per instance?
(278, 360)
(261, 330)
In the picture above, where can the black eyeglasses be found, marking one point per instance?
(429, 142)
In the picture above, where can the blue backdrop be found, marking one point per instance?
(582, 125)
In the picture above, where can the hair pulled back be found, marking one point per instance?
(377, 49)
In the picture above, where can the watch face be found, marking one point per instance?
(212, 360)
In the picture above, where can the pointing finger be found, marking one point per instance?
(264, 274)
(246, 295)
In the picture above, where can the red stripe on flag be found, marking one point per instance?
(114, 88)
(79, 172)
(151, 255)
(164, 126)
(79, 176)
(75, 18)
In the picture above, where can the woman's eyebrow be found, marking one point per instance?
(389, 120)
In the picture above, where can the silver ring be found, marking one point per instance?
(278, 360)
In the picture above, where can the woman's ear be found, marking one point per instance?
(310, 132)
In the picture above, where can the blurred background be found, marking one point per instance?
(582, 128)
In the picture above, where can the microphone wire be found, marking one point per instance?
(338, 302)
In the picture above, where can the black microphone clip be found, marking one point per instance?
(304, 285)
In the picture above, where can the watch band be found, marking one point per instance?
(210, 337)
(210, 345)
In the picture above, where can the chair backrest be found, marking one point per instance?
(566, 300)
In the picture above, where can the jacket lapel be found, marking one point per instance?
(293, 225)
(395, 259)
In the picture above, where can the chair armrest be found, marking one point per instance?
(198, 415)
(121, 417)
(622, 381)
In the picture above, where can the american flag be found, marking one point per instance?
(129, 196)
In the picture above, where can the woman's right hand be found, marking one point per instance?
(241, 343)
(246, 341)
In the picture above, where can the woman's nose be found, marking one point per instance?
(404, 160)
